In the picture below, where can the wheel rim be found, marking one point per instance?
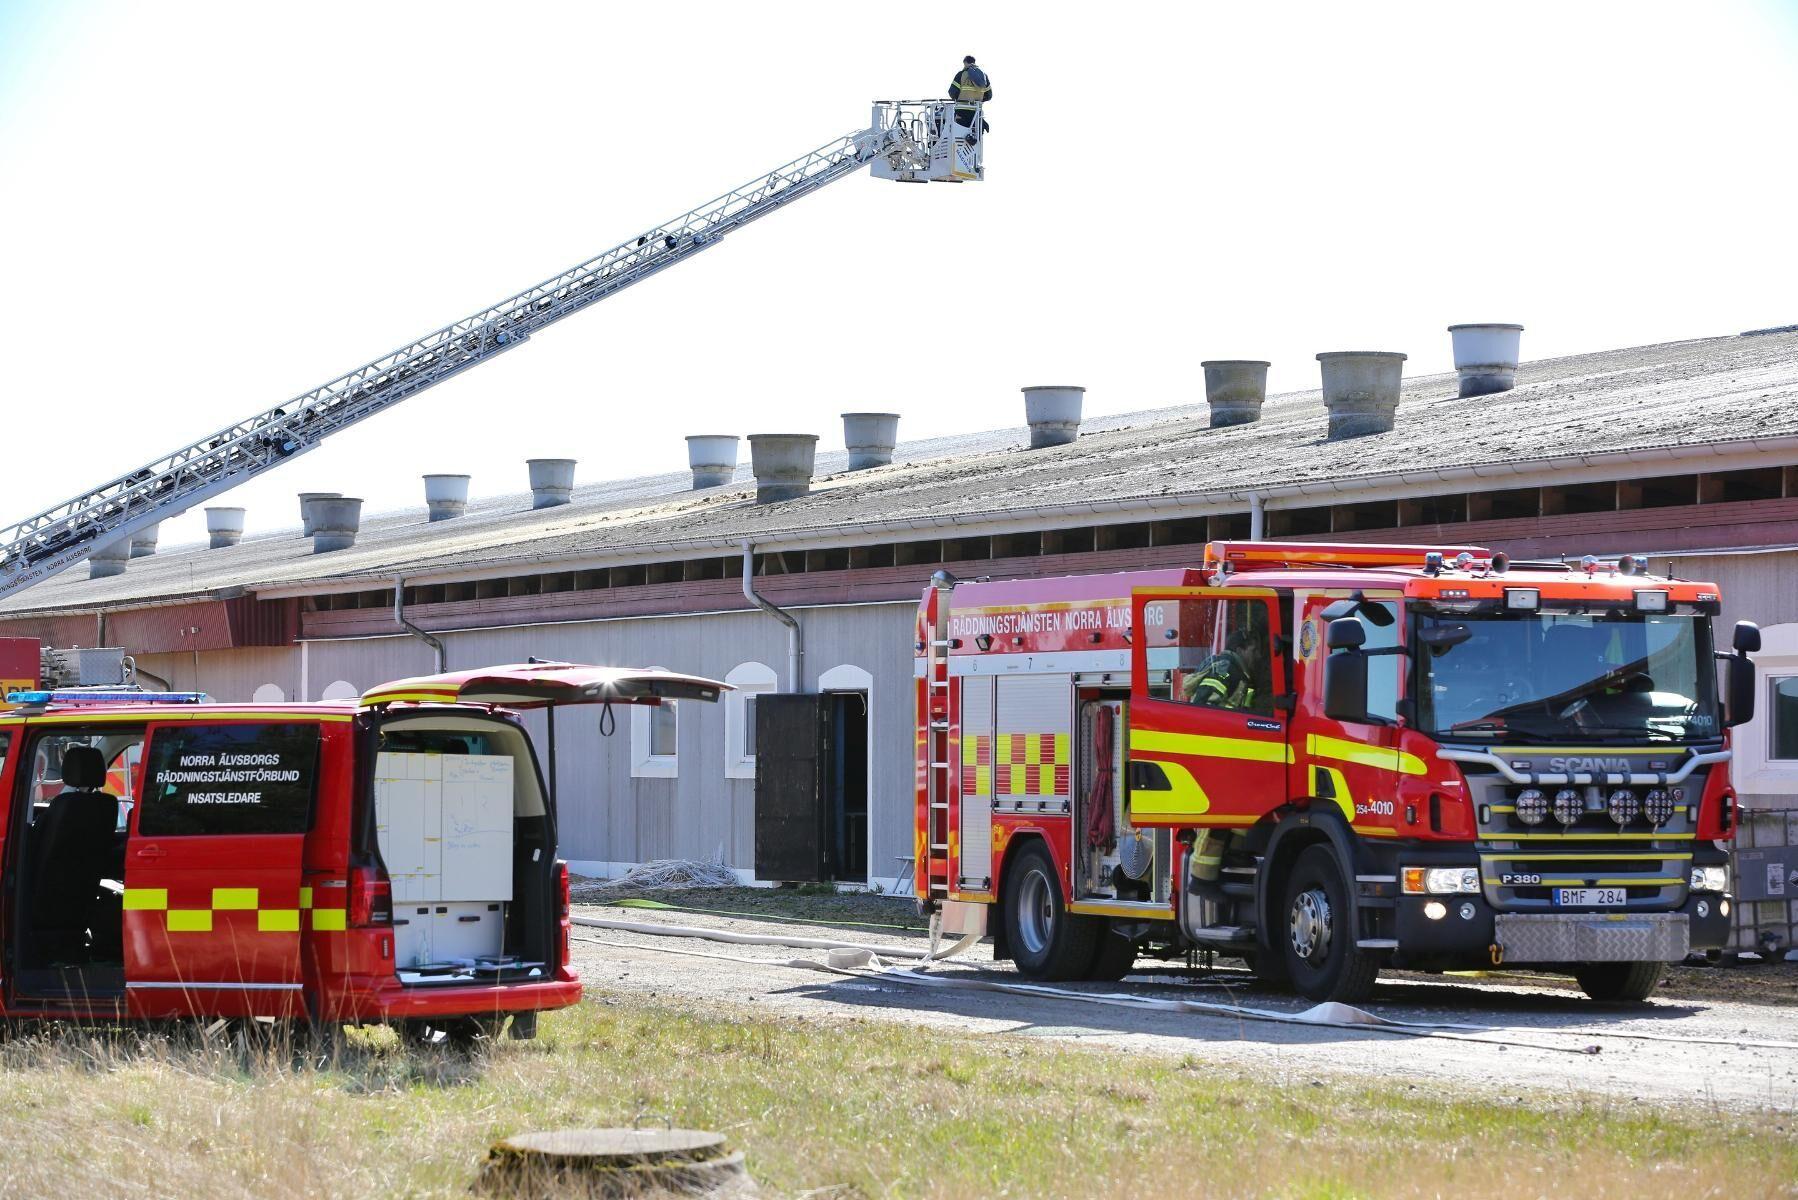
(1036, 913)
(1310, 925)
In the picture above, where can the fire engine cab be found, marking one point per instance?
(391, 860)
(1332, 758)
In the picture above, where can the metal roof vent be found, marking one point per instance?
(870, 438)
(224, 526)
(306, 498)
(1486, 357)
(1235, 388)
(713, 457)
(1053, 414)
(552, 481)
(782, 463)
(335, 522)
(143, 542)
(1361, 390)
(109, 560)
(446, 496)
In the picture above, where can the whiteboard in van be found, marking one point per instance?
(477, 827)
(444, 825)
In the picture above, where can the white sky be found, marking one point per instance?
(206, 208)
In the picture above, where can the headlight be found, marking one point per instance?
(1624, 806)
(1569, 805)
(1441, 881)
(1532, 806)
(1710, 879)
(1657, 806)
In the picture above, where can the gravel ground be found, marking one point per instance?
(1691, 1044)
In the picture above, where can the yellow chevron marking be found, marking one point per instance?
(1198, 745)
(1378, 757)
(1184, 797)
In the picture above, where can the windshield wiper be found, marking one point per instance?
(1646, 731)
(1496, 725)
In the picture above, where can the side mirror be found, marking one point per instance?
(1738, 689)
(1345, 681)
(1747, 638)
(1345, 633)
(1358, 605)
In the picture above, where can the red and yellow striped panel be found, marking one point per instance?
(1016, 764)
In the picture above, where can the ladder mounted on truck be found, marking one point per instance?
(933, 868)
(907, 140)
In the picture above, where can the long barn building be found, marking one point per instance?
(1687, 452)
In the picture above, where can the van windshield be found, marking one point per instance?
(1581, 675)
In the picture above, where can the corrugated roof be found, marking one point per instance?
(1709, 392)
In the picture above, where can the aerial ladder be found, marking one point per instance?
(907, 140)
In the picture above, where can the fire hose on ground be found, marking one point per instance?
(856, 960)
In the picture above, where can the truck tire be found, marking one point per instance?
(1624, 982)
(1269, 968)
(1317, 932)
(1114, 956)
(1047, 941)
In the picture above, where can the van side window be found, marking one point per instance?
(229, 779)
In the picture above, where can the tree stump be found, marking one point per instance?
(603, 1164)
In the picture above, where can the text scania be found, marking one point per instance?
(1589, 765)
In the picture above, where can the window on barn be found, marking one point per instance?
(655, 739)
(751, 679)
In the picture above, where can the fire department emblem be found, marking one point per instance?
(1307, 639)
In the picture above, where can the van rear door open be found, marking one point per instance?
(533, 685)
(214, 907)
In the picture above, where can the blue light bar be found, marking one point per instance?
(101, 696)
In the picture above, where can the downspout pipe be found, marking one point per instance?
(795, 639)
(1257, 517)
(399, 617)
(138, 672)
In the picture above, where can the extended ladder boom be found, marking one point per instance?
(907, 140)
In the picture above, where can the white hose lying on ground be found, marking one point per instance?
(656, 929)
(864, 962)
(859, 961)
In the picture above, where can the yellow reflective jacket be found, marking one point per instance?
(971, 86)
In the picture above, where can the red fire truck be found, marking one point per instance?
(387, 861)
(1332, 758)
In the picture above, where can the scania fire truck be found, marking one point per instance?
(1329, 759)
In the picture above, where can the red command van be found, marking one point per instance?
(390, 860)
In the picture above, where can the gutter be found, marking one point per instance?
(795, 638)
(399, 616)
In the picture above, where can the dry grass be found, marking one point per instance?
(823, 1109)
